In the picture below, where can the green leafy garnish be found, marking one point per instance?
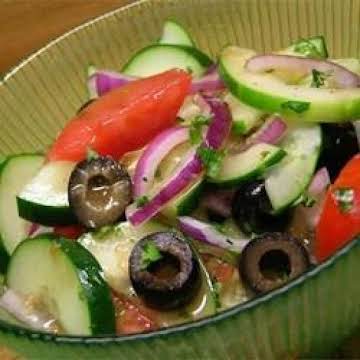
(195, 129)
(141, 201)
(296, 106)
(91, 154)
(150, 254)
(307, 48)
(217, 289)
(238, 128)
(308, 201)
(344, 198)
(212, 159)
(319, 78)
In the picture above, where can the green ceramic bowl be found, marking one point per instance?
(308, 317)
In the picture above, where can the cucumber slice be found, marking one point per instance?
(67, 280)
(185, 202)
(244, 117)
(111, 246)
(269, 93)
(287, 181)
(15, 172)
(44, 200)
(248, 164)
(313, 47)
(175, 34)
(155, 59)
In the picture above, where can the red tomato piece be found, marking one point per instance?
(219, 270)
(70, 232)
(340, 218)
(132, 317)
(124, 119)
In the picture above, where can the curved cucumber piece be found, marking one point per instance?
(248, 164)
(155, 59)
(287, 181)
(175, 34)
(244, 117)
(67, 280)
(15, 172)
(185, 202)
(111, 246)
(267, 92)
(313, 47)
(44, 200)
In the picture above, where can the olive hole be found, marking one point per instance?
(275, 265)
(98, 190)
(97, 182)
(165, 268)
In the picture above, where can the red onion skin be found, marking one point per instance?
(217, 132)
(154, 153)
(344, 77)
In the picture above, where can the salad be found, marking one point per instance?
(183, 187)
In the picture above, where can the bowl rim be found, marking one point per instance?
(175, 329)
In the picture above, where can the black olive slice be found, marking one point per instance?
(164, 271)
(99, 191)
(251, 210)
(271, 260)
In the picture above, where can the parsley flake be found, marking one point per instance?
(319, 78)
(296, 106)
(344, 198)
(308, 201)
(217, 289)
(212, 159)
(195, 129)
(141, 201)
(150, 254)
(91, 154)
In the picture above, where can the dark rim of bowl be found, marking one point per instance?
(172, 330)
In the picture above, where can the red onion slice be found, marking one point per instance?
(218, 202)
(319, 182)
(15, 305)
(191, 168)
(303, 66)
(204, 232)
(209, 82)
(154, 153)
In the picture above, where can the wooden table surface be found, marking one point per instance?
(27, 25)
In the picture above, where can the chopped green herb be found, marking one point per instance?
(158, 173)
(307, 48)
(189, 70)
(219, 227)
(238, 128)
(296, 106)
(212, 159)
(141, 201)
(217, 289)
(344, 198)
(319, 78)
(264, 154)
(91, 154)
(195, 129)
(150, 254)
(308, 201)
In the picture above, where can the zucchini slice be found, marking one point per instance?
(67, 280)
(44, 200)
(15, 172)
(267, 92)
(155, 59)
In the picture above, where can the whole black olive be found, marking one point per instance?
(164, 271)
(340, 144)
(99, 191)
(251, 210)
(271, 260)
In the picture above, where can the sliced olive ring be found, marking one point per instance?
(271, 260)
(164, 271)
(251, 210)
(99, 191)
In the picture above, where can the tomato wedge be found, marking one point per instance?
(124, 119)
(340, 218)
(70, 231)
(131, 317)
